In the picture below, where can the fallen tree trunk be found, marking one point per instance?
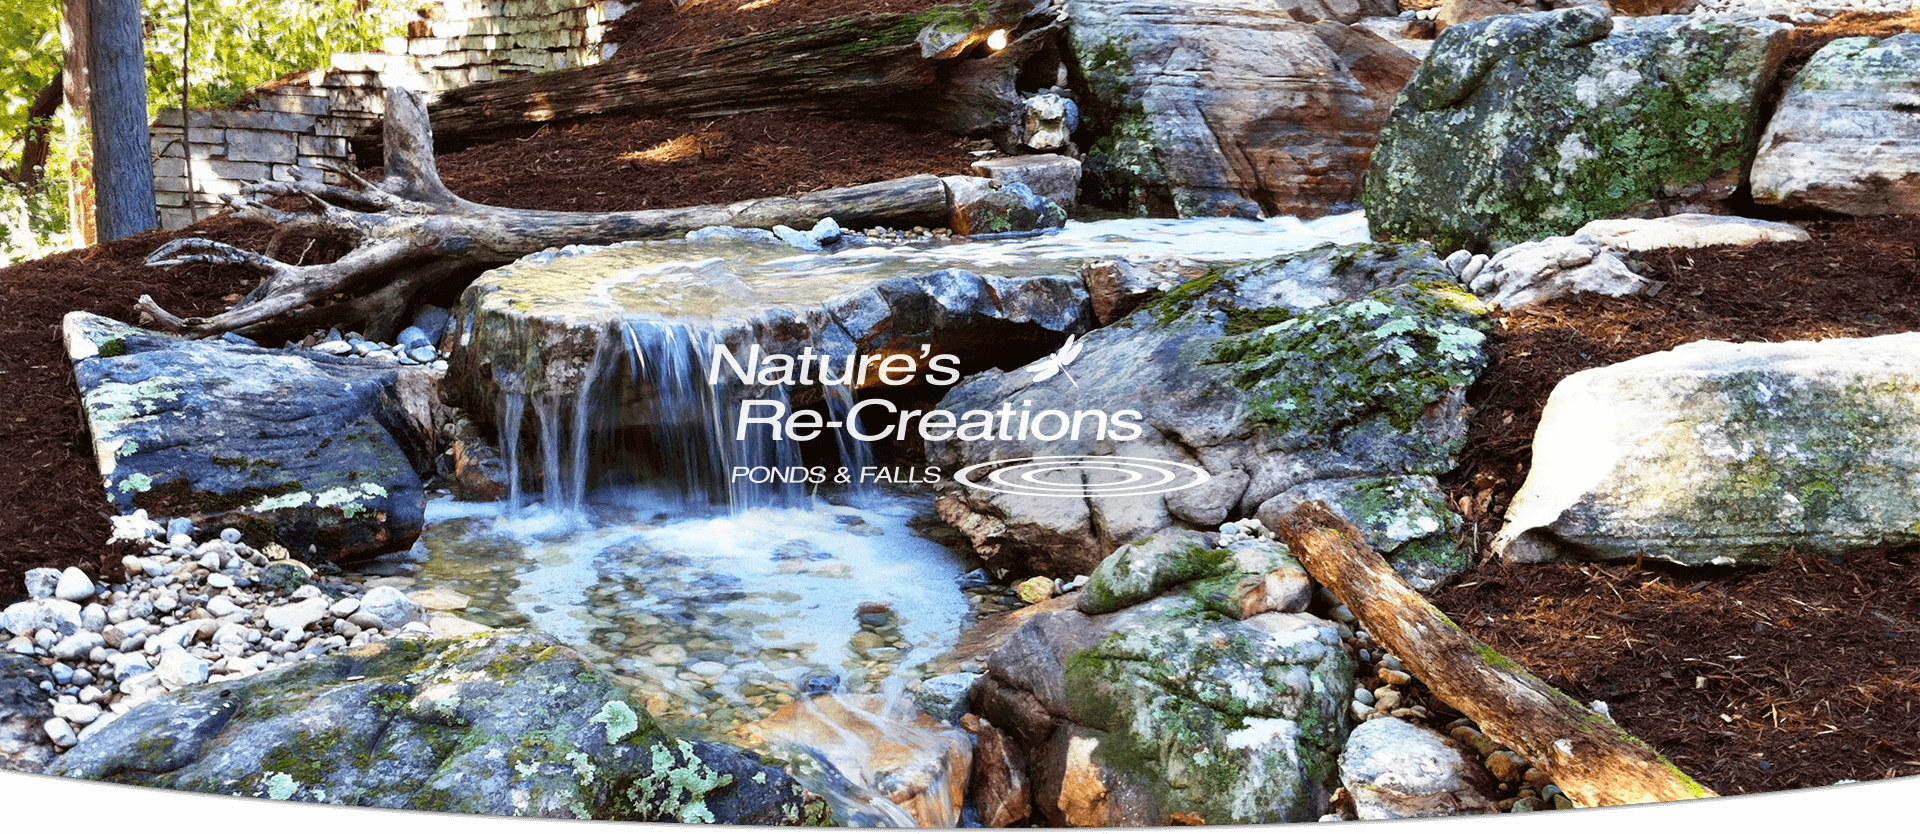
(1591, 758)
(410, 232)
(870, 64)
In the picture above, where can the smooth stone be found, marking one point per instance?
(60, 732)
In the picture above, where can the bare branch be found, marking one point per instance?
(215, 252)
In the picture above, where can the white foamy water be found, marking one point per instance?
(702, 610)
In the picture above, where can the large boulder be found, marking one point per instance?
(1523, 126)
(1340, 364)
(311, 451)
(1719, 453)
(1232, 107)
(24, 713)
(505, 724)
(1844, 137)
(1164, 713)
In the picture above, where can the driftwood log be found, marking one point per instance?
(1590, 757)
(883, 65)
(410, 232)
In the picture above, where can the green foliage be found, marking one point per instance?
(29, 56)
(239, 44)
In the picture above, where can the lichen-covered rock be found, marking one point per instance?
(1232, 107)
(1320, 365)
(506, 724)
(1844, 137)
(1049, 175)
(1543, 270)
(312, 451)
(1519, 127)
(1718, 453)
(1162, 712)
(1396, 770)
(1251, 577)
(1405, 517)
(987, 207)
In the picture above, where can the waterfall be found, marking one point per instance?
(647, 413)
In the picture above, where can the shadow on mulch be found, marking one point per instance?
(652, 25)
(1810, 663)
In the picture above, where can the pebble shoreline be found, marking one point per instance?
(191, 612)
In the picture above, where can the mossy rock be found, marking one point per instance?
(1519, 127)
(501, 723)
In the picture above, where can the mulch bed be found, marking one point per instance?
(652, 25)
(620, 163)
(1797, 676)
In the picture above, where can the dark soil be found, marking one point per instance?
(1750, 680)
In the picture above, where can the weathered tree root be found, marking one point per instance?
(1590, 757)
(410, 233)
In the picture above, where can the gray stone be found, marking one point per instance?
(1052, 176)
(945, 696)
(1108, 712)
(1261, 412)
(390, 608)
(412, 337)
(1232, 107)
(1397, 770)
(434, 322)
(731, 234)
(319, 451)
(1543, 270)
(1844, 137)
(507, 724)
(42, 582)
(178, 668)
(1519, 127)
(296, 616)
(1404, 516)
(24, 711)
(75, 586)
(77, 645)
(1049, 122)
(984, 207)
(56, 615)
(1718, 453)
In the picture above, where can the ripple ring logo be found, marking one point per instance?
(1081, 476)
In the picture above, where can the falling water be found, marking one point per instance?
(647, 411)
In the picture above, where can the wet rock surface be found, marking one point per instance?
(312, 452)
(508, 724)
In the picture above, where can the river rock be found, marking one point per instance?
(1161, 713)
(510, 724)
(314, 453)
(24, 619)
(1259, 412)
(1844, 137)
(74, 586)
(1719, 453)
(41, 582)
(1232, 107)
(391, 608)
(1520, 127)
(1395, 770)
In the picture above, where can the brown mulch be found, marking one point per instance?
(1810, 663)
(652, 25)
(620, 163)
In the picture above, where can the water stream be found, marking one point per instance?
(721, 601)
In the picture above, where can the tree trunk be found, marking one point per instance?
(871, 64)
(1591, 758)
(122, 164)
(36, 139)
(76, 43)
(410, 232)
